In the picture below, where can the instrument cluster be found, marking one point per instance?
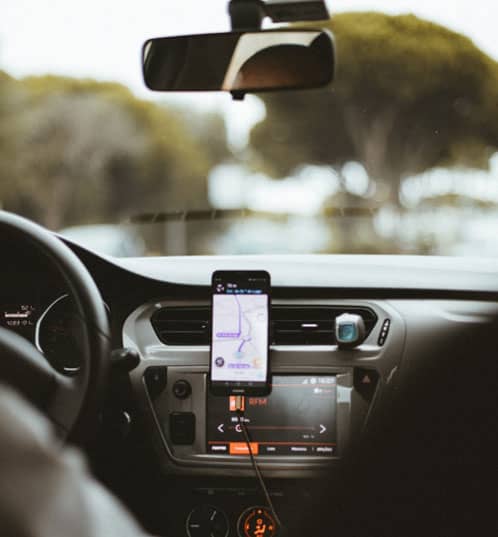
(51, 324)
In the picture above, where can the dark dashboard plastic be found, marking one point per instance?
(361, 276)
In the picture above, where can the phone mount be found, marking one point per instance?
(249, 14)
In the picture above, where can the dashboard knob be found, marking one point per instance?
(257, 521)
(349, 330)
(182, 389)
(207, 521)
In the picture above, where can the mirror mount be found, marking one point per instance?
(246, 14)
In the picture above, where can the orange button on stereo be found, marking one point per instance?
(233, 403)
(241, 448)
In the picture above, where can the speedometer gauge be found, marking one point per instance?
(57, 335)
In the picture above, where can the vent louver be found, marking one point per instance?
(182, 325)
(312, 325)
(291, 325)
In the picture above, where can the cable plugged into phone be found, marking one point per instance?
(239, 408)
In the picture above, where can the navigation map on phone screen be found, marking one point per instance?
(240, 320)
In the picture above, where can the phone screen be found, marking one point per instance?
(240, 332)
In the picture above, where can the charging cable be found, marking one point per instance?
(239, 405)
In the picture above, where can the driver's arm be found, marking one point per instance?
(45, 488)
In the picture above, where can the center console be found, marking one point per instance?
(320, 399)
(304, 422)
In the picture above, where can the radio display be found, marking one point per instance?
(298, 418)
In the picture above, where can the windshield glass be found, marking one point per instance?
(398, 156)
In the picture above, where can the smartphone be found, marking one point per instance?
(240, 333)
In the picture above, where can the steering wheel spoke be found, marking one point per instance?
(66, 401)
(24, 367)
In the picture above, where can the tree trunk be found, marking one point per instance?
(55, 202)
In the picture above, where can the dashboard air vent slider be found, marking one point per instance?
(290, 325)
(313, 325)
(182, 325)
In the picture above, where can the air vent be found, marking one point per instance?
(182, 325)
(291, 325)
(312, 325)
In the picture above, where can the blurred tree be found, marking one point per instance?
(66, 150)
(85, 151)
(207, 128)
(409, 95)
(10, 99)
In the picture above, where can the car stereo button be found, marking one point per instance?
(220, 449)
(300, 450)
(242, 448)
(384, 331)
(182, 428)
(324, 450)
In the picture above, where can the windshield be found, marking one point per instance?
(398, 156)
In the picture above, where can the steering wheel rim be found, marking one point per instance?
(71, 403)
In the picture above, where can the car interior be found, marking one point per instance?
(373, 408)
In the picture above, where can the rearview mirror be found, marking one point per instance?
(239, 61)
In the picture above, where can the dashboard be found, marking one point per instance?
(323, 396)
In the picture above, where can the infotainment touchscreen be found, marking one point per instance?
(298, 418)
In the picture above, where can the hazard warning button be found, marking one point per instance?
(365, 382)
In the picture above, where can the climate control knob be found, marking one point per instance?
(182, 389)
(207, 521)
(257, 522)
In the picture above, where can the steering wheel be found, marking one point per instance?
(71, 403)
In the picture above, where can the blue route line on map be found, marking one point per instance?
(244, 341)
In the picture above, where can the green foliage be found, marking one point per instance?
(409, 95)
(84, 151)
